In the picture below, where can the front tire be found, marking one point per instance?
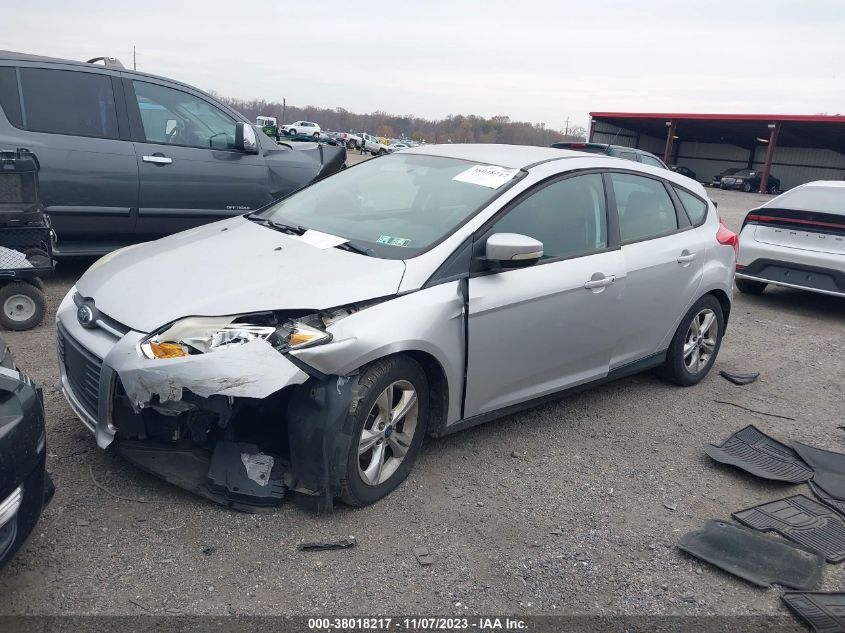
(389, 422)
(747, 187)
(292, 132)
(696, 343)
(750, 287)
(23, 306)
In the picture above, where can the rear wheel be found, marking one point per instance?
(316, 135)
(23, 306)
(772, 189)
(696, 343)
(389, 422)
(750, 287)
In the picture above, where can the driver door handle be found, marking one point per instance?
(158, 159)
(686, 257)
(600, 283)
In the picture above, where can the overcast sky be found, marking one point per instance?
(535, 60)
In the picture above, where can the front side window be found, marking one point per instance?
(395, 207)
(567, 216)
(644, 206)
(695, 207)
(67, 102)
(177, 118)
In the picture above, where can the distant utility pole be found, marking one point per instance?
(134, 62)
(566, 131)
(284, 105)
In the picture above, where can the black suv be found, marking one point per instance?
(128, 157)
(619, 151)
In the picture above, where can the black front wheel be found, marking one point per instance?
(747, 187)
(389, 422)
(696, 343)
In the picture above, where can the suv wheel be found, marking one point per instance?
(291, 132)
(696, 343)
(750, 287)
(389, 422)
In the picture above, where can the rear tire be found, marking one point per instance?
(22, 306)
(696, 343)
(750, 287)
(772, 189)
(315, 136)
(385, 388)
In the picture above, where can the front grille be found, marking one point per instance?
(82, 369)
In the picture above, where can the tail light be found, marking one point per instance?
(727, 237)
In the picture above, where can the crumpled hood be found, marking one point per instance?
(232, 267)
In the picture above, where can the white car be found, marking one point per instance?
(395, 147)
(305, 128)
(796, 240)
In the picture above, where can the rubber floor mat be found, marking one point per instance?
(755, 452)
(824, 612)
(758, 558)
(802, 520)
(836, 504)
(828, 468)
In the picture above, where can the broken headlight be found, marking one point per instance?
(200, 335)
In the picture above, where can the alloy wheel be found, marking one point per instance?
(700, 341)
(388, 432)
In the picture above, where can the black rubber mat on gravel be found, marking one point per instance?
(802, 520)
(836, 504)
(757, 453)
(828, 468)
(824, 612)
(756, 557)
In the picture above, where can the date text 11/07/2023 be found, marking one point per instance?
(419, 623)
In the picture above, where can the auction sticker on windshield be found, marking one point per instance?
(491, 176)
(393, 241)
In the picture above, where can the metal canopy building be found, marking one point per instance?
(794, 148)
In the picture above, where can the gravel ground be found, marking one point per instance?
(560, 509)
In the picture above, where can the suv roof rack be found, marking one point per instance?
(108, 62)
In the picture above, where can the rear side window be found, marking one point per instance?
(10, 100)
(68, 102)
(567, 216)
(695, 207)
(644, 206)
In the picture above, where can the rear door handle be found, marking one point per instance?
(600, 283)
(686, 257)
(157, 159)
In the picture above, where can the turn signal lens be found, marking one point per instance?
(167, 350)
(302, 335)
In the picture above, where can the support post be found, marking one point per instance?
(770, 153)
(592, 130)
(670, 137)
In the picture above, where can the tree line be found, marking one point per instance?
(455, 128)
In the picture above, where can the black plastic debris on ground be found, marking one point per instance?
(318, 546)
(757, 453)
(756, 557)
(823, 612)
(828, 468)
(423, 555)
(802, 520)
(740, 379)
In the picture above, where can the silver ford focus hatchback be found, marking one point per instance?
(309, 347)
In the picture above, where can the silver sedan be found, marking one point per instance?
(309, 347)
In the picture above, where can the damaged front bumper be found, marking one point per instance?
(176, 417)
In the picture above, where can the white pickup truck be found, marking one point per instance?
(370, 144)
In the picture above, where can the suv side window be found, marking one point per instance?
(177, 118)
(648, 160)
(65, 102)
(10, 100)
(695, 207)
(644, 206)
(568, 216)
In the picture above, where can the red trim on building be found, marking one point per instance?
(804, 118)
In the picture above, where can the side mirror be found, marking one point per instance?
(512, 250)
(245, 138)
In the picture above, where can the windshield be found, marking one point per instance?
(394, 206)
(745, 173)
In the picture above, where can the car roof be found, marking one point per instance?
(824, 183)
(511, 156)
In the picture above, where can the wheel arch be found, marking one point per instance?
(724, 301)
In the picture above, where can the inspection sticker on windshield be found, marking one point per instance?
(491, 176)
(393, 241)
(321, 240)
